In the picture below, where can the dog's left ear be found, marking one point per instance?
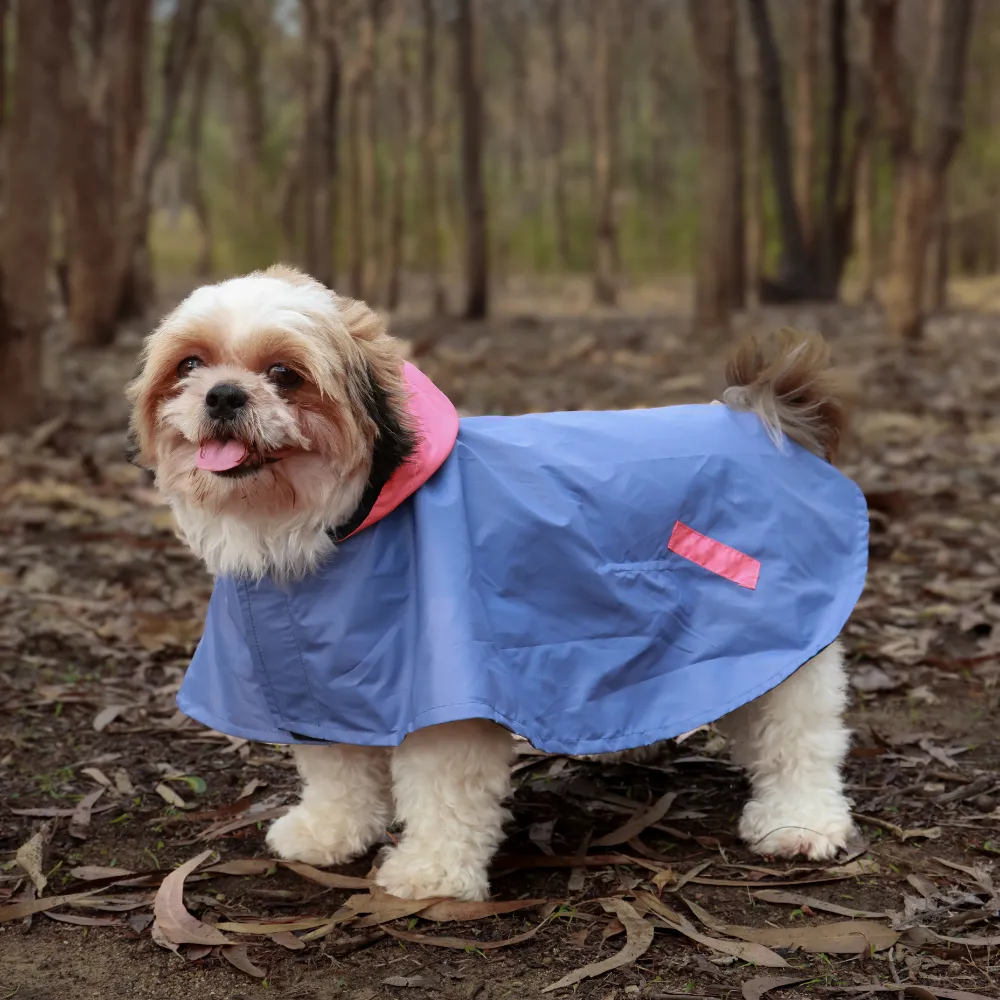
(378, 388)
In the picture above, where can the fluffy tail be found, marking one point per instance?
(786, 379)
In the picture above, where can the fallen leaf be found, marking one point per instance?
(795, 899)
(413, 982)
(453, 910)
(379, 907)
(331, 880)
(169, 795)
(691, 874)
(97, 775)
(758, 954)
(639, 822)
(243, 866)
(754, 989)
(639, 936)
(462, 944)
(107, 715)
(123, 783)
(173, 920)
(17, 910)
(271, 926)
(80, 820)
(30, 854)
(664, 878)
(90, 872)
(236, 954)
(250, 819)
(76, 918)
(287, 940)
(842, 937)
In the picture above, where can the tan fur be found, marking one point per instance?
(321, 429)
(786, 379)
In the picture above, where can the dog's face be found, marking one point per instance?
(258, 405)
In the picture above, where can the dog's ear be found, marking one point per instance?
(378, 388)
(395, 440)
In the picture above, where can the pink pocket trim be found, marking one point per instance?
(714, 556)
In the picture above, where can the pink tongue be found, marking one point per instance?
(218, 456)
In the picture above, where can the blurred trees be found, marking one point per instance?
(394, 147)
(31, 155)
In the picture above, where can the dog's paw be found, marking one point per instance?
(319, 838)
(777, 831)
(410, 874)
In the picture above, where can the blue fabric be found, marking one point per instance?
(529, 582)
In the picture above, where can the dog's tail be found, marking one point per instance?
(787, 380)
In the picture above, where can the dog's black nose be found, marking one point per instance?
(223, 400)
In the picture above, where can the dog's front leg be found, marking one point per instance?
(793, 742)
(449, 782)
(346, 805)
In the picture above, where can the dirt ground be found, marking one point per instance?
(100, 607)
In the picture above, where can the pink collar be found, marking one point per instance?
(435, 421)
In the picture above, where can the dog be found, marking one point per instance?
(397, 592)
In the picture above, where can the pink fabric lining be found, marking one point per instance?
(714, 556)
(436, 423)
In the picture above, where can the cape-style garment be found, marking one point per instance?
(592, 581)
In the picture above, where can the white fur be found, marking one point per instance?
(288, 544)
(447, 783)
(793, 742)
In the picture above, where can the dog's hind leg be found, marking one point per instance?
(346, 805)
(793, 742)
(449, 782)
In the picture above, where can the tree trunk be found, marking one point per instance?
(430, 183)
(557, 125)
(937, 279)
(319, 142)
(719, 278)
(361, 184)
(864, 221)
(108, 178)
(753, 151)
(605, 86)
(194, 192)
(793, 272)
(397, 207)
(920, 169)
(471, 99)
(806, 78)
(31, 153)
(828, 251)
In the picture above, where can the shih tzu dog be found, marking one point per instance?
(398, 591)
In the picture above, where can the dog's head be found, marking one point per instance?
(259, 406)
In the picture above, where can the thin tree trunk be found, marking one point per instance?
(754, 183)
(604, 151)
(828, 253)
(471, 99)
(865, 177)
(920, 169)
(793, 271)
(195, 193)
(937, 281)
(806, 78)
(31, 153)
(397, 207)
(557, 125)
(430, 193)
(719, 278)
(362, 180)
(370, 161)
(319, 149)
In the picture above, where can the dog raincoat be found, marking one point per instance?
(594, 581)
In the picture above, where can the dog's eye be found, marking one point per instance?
(188, 365)
(283, 376)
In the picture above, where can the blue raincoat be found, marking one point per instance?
(591, 581)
